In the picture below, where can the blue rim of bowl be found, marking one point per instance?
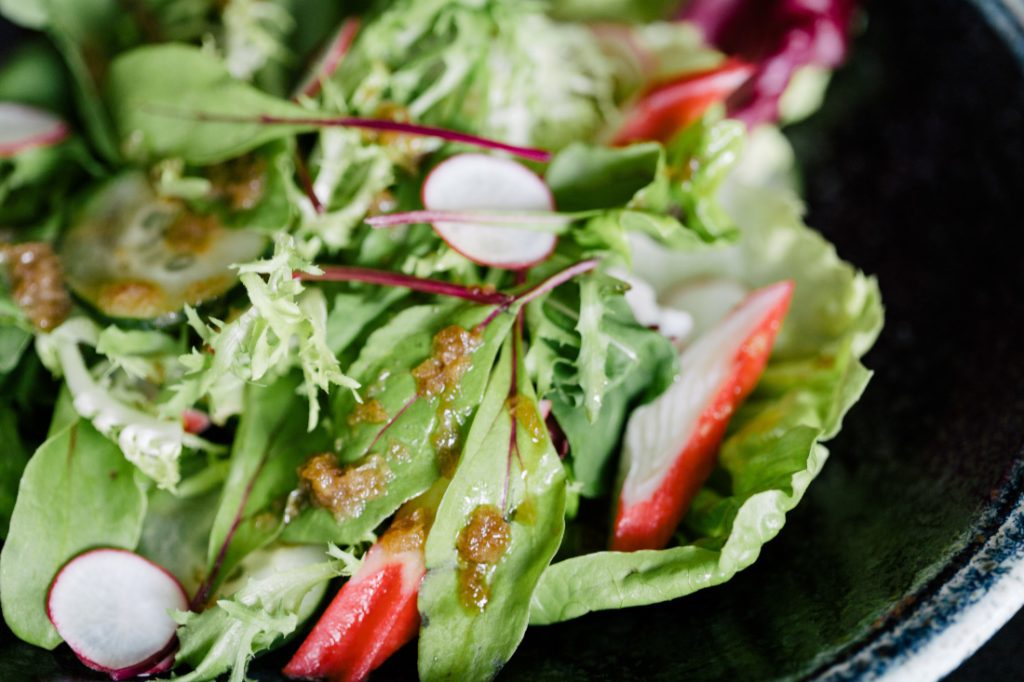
(1007, 18)
(931, 632)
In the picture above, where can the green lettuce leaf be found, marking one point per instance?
(285, 327)
(500, 68)
(12, 464)
(77, 492)
(773, 448)
(151, 443)
(176, 533)
(696, 165)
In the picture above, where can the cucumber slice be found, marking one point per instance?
(134, 255)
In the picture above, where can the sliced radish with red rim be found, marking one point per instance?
(24, 127)
(113, 608)
(469, 182)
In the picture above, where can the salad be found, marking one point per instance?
(341, 326)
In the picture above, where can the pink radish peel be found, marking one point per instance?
(112, 607)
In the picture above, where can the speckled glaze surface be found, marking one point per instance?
(908, 552)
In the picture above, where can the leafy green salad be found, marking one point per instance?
(340, 327)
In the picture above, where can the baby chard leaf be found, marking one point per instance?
(496, 530)
(404, 434)
(270, 445)
(78, 491)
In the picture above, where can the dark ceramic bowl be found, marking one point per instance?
(908, 552)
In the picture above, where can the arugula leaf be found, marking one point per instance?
(773, 448)
(77, 492)
(270, 444)
(525, 484)
(404, 442)
(585, 342)
(263, 612)
(155, 94)
(646, 365)
(594, 344)
(12, 464)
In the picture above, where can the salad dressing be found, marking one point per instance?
(481, 545)
(368, 412)
(438, 377)
(344, 491)
(37, 283)
(408, 532)
(241, 182)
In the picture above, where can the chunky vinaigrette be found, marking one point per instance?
(37, 283)
(481, 544)
(438, 377)
(344, 491)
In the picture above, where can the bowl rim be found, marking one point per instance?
(950, 616)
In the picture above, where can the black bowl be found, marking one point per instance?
(906, 554)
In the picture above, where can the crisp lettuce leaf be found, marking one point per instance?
(773, 449)
(351, 173)
(500, 68)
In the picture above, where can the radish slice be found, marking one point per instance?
(479, 182)
(23, 127)
(113, 607)
(671, 444)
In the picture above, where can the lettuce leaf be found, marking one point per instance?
(151, 443)
(773, 450)
(500, 68)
